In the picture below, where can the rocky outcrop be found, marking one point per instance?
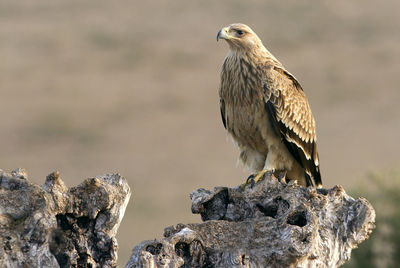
(269, 224)
(53, 226)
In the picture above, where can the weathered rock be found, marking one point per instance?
(271, 224)
(53, 226)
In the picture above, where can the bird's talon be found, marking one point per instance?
(252, 184)
(250, 178)
(255, 178)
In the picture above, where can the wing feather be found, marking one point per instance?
(291, 116)
(222, 109)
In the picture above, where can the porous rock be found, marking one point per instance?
(53, 226)
(269, 224)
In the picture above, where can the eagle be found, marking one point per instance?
(265, 110)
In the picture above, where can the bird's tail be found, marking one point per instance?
(317, 178)
(313, 178)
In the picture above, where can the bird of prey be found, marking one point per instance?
(265, 110)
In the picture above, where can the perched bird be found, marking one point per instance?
(265, 110)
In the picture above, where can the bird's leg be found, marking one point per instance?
(260, 175)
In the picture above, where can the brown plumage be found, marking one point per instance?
(265, 110)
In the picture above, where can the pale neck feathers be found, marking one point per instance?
(253, 53)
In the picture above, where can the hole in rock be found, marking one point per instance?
(276, 207)
(83, 222)
(269, 210)
(154, 250)
(298, 218)
(182, 249)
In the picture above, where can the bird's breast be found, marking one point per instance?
(243, 105)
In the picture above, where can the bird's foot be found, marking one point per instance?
(256, 177)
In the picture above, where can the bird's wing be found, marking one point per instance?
(291, 116)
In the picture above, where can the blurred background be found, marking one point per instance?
(93, 87)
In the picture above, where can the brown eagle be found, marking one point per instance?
(265, 110)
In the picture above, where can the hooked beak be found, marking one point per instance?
(223, 34)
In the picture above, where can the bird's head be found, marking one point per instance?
(239, 36)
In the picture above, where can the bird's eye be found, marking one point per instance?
(239, 32)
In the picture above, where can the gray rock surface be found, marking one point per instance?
(271, 224)
(53, 226)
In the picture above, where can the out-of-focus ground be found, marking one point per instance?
(91, 87)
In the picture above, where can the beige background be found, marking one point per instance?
(91, 87)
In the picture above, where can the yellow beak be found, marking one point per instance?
(223, 34)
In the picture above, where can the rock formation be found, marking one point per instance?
(53, 226)
(269, 224)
